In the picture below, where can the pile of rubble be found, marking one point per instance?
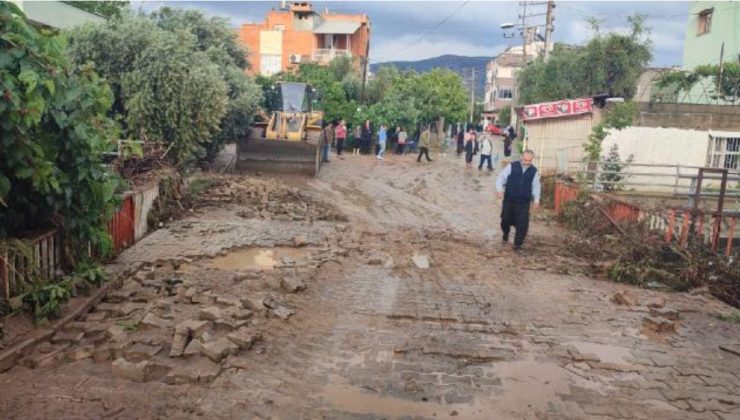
(167, 324)
(267, 198)
(635, 255)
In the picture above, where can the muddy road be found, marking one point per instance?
(381, 289)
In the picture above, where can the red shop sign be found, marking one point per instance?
(557, 109)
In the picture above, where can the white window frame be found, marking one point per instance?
(723, 151)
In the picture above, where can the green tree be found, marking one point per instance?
(608, 64)
(53, 131)
(108, 9)
(619, 116)
(176, 95)
(177, 76)
(504, 116)
(218, 40)
(725, 84)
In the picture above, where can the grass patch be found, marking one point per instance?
(733, 318)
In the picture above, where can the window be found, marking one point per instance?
(724, 152)
(278, 28)
(504, 93)
(705, 21)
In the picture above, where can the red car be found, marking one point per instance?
(496, 130)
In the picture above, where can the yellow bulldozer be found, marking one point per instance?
(285, 136)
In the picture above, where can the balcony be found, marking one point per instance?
(325, 55)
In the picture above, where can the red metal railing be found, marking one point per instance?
(121, 227)
(678, 225)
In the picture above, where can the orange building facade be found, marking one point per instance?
(297, 34)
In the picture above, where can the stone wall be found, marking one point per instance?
(689, 116)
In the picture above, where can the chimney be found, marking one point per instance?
(283, 5)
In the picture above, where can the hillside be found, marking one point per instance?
(457, 63)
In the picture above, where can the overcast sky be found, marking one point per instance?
(404, 30)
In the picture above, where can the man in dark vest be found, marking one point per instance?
(518, 184)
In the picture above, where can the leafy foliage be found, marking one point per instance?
(108, 9)
(619, 116)
(504, 116)
(177, 76)
(684, 81)
(612, 165)
(608, 64)
(46, 300)
(54, 129)
(392, 97)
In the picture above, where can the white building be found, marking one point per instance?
(501, 75)
(55, 14)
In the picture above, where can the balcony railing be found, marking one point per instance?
(325, 55)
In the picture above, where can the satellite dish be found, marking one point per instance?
(507, 25)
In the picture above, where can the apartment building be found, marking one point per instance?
(295, 33)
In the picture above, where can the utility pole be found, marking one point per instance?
(525, 32)
(472, 93)
(719, 78)
(548, 27)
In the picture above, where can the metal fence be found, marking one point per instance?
(680, 225)
(679, 180)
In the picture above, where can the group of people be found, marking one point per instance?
(518, 184)
(335, 133)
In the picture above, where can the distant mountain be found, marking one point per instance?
(457, 63)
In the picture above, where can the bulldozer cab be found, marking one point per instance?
(285, 135)
(290, 97)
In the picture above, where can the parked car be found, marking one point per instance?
(495, 129)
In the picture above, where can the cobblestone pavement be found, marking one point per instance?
(412, 308)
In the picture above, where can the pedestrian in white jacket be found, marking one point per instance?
(486, 150)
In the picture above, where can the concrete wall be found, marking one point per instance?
(689, 116)
(665, 146)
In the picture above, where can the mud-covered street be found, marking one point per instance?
(381, 289)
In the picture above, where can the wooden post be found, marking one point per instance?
(730, 234)
(685, 228)
(671, 226)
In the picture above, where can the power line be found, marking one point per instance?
(424, 34)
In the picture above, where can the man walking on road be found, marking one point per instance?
(518, 184)
(424, 144)
(486, 150)
(382, 139)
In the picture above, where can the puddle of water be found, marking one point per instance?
(606, 353)
(347, 398)
(255, 258)
(532, 384)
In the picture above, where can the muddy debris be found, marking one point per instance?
(266, 198)
(623, 298)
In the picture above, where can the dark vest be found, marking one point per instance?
(519, 184)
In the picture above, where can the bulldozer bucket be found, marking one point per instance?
(278, 156)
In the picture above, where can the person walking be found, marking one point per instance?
(469, 147)
(402, 136)
(356, 140)
(508, 138)
(366, 137)
(424, 144)
(518, 184)
(341, 135)
(460, 140)
(327, 134)
(486, 150)
(382, 139)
